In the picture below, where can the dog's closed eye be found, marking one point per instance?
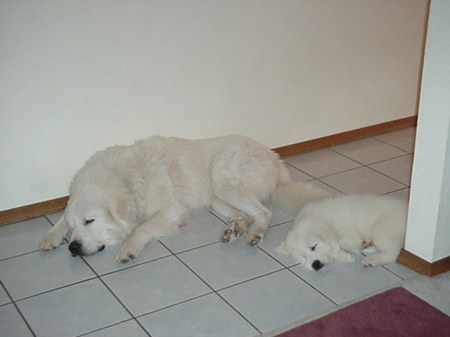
(88, 221)
(313, 248)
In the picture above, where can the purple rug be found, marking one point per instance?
(394, 313)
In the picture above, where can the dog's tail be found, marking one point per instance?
(293, 196)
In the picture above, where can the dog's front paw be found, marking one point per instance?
(127, 253)
(52, 239)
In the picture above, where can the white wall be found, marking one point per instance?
(428, 234)
(77, 76)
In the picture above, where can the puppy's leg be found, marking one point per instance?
(55, 236)
(160, 224)
(388, 238)
(237, 223)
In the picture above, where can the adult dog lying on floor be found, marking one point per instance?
(337, 228)
(144, 191)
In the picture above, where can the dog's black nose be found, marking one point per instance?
(75, 248)
(317, 265)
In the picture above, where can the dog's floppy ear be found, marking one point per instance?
(121, 214)
(328, 235)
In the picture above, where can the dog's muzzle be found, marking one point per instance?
(75, 248)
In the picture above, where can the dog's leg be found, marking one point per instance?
(258, 216)
(343, 256)
(388, 236)
(55, 236)
(160, 224)
(237, 223)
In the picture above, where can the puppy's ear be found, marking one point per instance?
(330, 237)
(120, 213)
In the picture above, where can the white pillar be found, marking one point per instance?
(428, 232)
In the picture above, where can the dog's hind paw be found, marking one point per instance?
(229, 235)
(254, 239)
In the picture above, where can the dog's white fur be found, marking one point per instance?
(144, 191)
(337, 228)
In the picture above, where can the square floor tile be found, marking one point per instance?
(362, 180)
(403, 139)
(11, 324)
(105, 261)
(221, 265)
(155, 285)
(399, 168)
(346, 281)
(202, 317)
(274, 236)
(22, 237)
(201, 229)
(33, 273)
(73, 310)
(125, 329)
(368, 151)
(321, 163)
(275, 300)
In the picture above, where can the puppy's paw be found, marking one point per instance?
(52, 239)
(369, 261)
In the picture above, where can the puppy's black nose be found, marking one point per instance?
(75, 248)
(317, 265)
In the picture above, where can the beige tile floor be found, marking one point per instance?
(189, 284)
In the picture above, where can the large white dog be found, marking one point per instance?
(144, 191)
(337, 228)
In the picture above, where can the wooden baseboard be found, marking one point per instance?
(33, 210)
(422, 266)
(344, 137)
(55, 205)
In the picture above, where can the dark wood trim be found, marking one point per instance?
(33, 210)
(55, 205)
(422, 266)
(344, 137)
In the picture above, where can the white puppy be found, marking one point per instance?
(337, 228)
(144, 191)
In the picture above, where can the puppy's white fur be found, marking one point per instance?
(144, 191)
(339, 227)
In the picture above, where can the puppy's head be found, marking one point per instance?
(311, 243)
(95, 225)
